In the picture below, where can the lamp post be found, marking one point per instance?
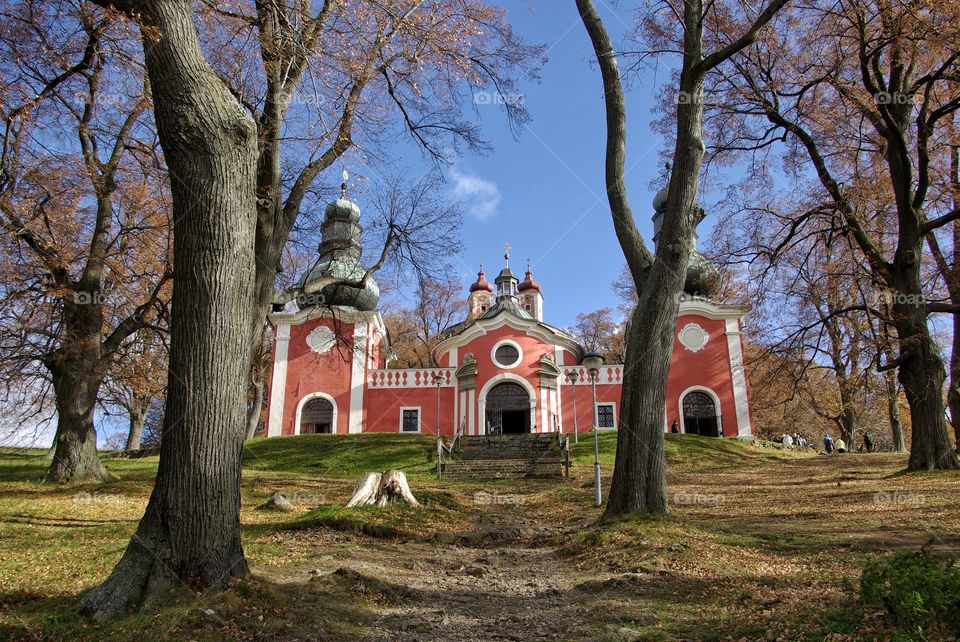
(438, 381)
(592, 361)
(573, 376)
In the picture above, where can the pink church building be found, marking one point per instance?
(501, 370)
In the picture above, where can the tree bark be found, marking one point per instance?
(76, 370)
(75, 457)
(893, 411)
(256, 405)
(922, 375)
(953, 393)
(190, 533)
(138, 415)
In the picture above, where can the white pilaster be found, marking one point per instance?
(738, 378)
(278, 384)
(358, 376)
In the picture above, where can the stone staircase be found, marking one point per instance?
(506, 457)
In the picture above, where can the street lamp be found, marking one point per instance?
(592, 361)
(438, 381)
(573, 376)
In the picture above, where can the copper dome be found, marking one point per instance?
(481, 283)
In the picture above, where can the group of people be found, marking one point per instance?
(795, 439)
(839, 445)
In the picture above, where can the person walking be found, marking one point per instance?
(788, 441)
(868, 442)
(827, 443)
(841, 445)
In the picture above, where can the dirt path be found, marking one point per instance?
(501, 581)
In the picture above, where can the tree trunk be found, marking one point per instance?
(382, 489)
(893, 411)
(953, 393)
(848, 416)
(190, 533)
(922, 376)
(138, 415)
(75, 459)
(256, 405)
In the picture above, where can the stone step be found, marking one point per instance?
(501, 469)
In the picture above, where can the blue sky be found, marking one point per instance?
(544, 193)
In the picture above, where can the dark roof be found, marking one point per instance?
(507, 304)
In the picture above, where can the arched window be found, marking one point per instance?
(316, 417)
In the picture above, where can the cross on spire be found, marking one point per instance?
(506, 253)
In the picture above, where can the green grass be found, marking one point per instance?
(686, 450)
(777, 554)
(343, 456)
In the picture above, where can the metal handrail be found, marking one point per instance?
(443, 448)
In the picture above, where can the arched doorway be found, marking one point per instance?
(316, 417)
(508, 409)
(700, 415)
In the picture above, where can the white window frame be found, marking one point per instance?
(613, 408)
(419, 420)
(508, 342)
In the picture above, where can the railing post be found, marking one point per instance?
(439, 456)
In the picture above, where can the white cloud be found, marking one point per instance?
(480, 196)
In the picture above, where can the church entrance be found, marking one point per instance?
(316, 417)
(700, 415)
(508, 409)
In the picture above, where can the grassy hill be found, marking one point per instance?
(349, 456)
(759, 544)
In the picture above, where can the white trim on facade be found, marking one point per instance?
(358, 376)
(738, 379)
(716, 402)
(419, 420)
(613, 407)
(303, 401)
(278, 383)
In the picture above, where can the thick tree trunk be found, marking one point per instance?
(893, 411)
(256, 404)
(953, 393)
(190, 533)
(137, 415)
(848, 418)
(75, 459)
(922, 376)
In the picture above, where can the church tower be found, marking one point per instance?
(481, 297)
(531, 300)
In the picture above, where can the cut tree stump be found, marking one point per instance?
(380, 489)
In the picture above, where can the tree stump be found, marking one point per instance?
(380, 489)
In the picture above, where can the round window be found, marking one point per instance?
(506, 355)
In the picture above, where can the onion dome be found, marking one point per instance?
(336, 277)
(481, 283)
(529, 283)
